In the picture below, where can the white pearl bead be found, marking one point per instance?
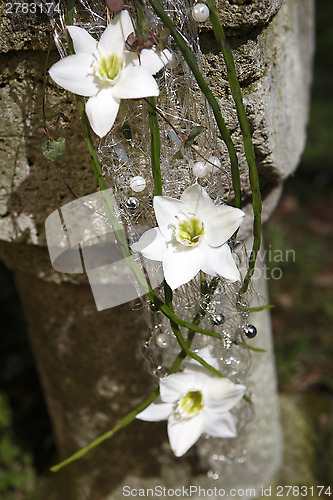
(200, 12)
(138, 184)
(200, 169)
(203, 168)
(216, 162)
(162, 340)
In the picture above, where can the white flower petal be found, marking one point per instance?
(116, 33)
(156, 412)
(166, 211)
(220, 425)
(72, 73)
(154, 60)
(152, 244)
(219, 261)
(102, 111)
(183, 433)
(135, 82)
(131, 58)
(222, 394)
(220, 223)
(176, 385)
(196, 198)
(181, 266)
(83, 42)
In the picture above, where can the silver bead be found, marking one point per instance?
(200, 12)
(250, 331)
(218, 319)
(153, 307)
(132, 203)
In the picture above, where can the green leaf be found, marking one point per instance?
(8, 450)
(180, 153)
(256, 349)
(53, 150)
(163, 35)
(5, 417)
(261, 308)
(193, 134)
(189, 141)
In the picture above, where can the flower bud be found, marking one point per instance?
(115, 6)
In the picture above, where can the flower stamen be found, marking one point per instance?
(190, 404)
(108, 67)
(189, 231)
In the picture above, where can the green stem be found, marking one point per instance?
(152, 397)
(191, 332)
(261, 308)
(255, 349)
(123, 423)
(155, 148)
(45, 80)
(247, 139)
(179, 336)
(69, 20)
(155, 162)
(183, 344)
(180, 322)
(192, 63)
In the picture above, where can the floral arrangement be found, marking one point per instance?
(163, 146)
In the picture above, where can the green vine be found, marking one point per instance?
(180, 338)
(155, 145)
(192, 63)
(185, 344)
(123, 423)
(248, 145)
(155, 165)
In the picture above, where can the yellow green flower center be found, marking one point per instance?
(109, 67)
(189, 231)
(191, 404)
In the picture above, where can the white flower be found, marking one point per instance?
(191, 236)
(195, 402)
(106, 72)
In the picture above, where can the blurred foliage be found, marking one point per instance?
(17, 472)
(302, 318)
(313, 179)
(26, 441)
(318, 154)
